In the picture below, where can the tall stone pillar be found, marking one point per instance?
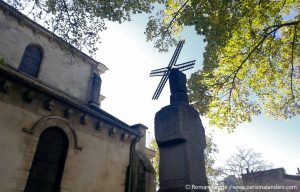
(181, 140)
(95, 88)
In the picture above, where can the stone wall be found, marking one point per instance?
(96, 160)
(273, 177)
(144, 173)
(60, 67)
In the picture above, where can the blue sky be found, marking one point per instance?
(129, 90)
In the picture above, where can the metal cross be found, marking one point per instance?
(165, 72)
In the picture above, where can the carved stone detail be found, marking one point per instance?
(68, 112)
(98, 125)
(54, 121)
(5, 86)
(49, 104)
(83, 119)
(124, 136)
(112, 132)
(28, 96)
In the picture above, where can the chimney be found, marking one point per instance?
(141, 129)
(247, 170)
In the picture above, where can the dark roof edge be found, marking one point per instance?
(286, 176)
(276, 169)
(50, 35)
(11, 73)
(293, 177)
(139, 125)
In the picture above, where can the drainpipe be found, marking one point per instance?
(130, 172)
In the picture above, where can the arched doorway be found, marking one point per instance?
(48, 162)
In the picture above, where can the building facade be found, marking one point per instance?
(54, 135)
(271, 180)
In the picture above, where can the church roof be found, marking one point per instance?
(48, 34)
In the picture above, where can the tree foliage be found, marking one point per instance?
(251, 59)
(2, 60)
(79, 21)
(155, 164)
(210, 151)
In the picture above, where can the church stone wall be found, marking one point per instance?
(99, 144)
(95, 160)
(59, 68)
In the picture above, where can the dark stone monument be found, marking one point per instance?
(181, 140)
(179, 133)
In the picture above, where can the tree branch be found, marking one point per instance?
(267, 32)
(31, 10)
(283, 4)
(174, 18)
(246, 12)
(67, 10)
(292, 62)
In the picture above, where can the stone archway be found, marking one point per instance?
(55, 121)
(31, 142)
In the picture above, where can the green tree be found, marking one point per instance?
(2, 60)
(79, 21)
(153, 146)
(251, 60)
(210, 152)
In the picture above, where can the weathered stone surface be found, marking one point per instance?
(95, 88)
(177, 81)
(99, 166)
(178, 88)
(143, 172)
(59, 68)
(181, 139)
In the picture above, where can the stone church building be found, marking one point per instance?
(53, 134)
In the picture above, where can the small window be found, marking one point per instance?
(31, 61)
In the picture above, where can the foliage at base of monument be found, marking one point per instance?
(210, 151)
(2, 60)
(251, 60)
(79, 21)
(155, 164)
(241, 161)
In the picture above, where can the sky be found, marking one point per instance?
(128, 90)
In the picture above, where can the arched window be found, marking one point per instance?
(48, 162)
(31, 60)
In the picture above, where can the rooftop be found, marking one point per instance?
(277, 170)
